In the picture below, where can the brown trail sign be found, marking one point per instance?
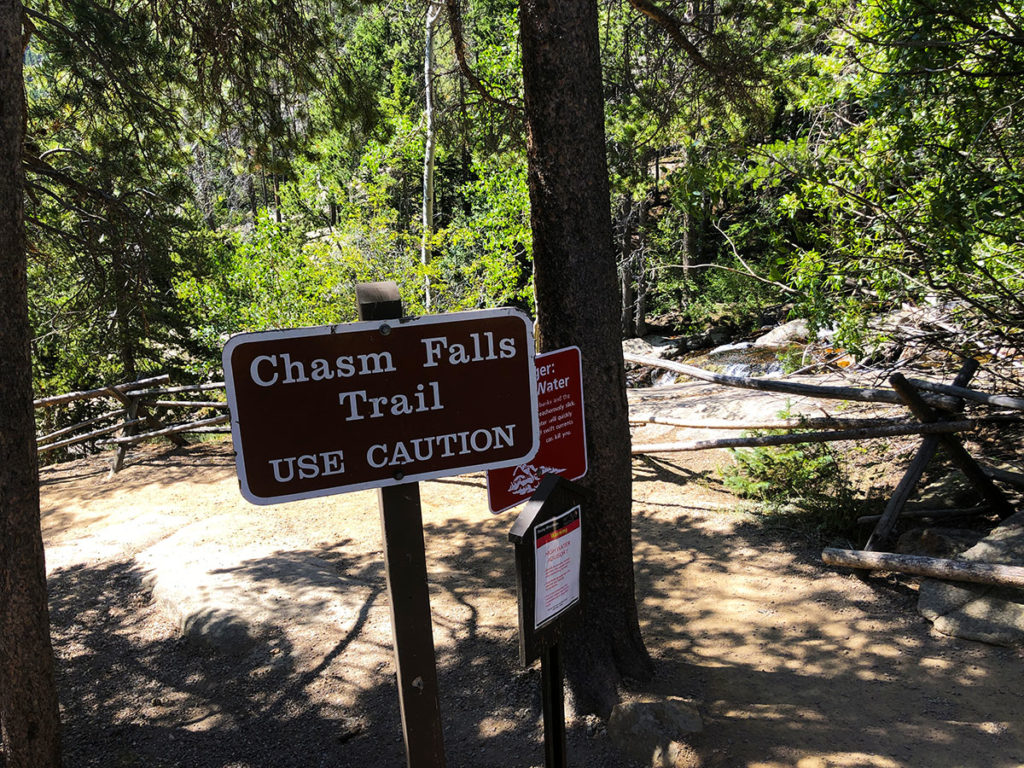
(363, 405)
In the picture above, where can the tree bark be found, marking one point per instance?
(29, 719)
(577, 304)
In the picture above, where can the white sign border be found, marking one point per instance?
(360, 326)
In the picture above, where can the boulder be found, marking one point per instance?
(988, 614)
(720, 334)
(936, 542)
(793, 332)
(651, 346)
(657, 732)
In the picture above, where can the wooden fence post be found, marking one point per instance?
(925, 452)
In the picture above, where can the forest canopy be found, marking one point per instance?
(201, 169)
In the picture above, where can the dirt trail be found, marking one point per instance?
(795, 664)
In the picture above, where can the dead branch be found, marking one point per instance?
(187, 404)
(88, 436)
(75, 427)
(68, 397)
(174, 430)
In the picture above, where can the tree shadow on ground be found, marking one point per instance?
(724, 610)
(134, 694)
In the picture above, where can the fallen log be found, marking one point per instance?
(1002, 401)
(805, 437)
(1012, 478)
(932, 567)
(817, 422)
(862, 394)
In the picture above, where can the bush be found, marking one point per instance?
(805, 484)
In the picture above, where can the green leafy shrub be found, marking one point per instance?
(804, 484)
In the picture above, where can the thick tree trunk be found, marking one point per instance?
(577, 304)
(29, 720)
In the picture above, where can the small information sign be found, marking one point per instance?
(559, 547)
(563, 437)
(548, 539)
(339, 408)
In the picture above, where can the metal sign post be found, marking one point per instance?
(548, 540)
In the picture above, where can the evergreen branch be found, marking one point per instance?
(459, 44)
(675, 32)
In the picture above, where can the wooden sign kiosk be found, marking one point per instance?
(548, 540)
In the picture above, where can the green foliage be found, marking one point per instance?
(202, 169)
(803, 483)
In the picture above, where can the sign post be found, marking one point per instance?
(548, 541)
(405, 563)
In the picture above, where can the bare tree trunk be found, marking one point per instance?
(577, 295)
(640, 272)
(628, 299)
(29, 717)
(626, 272)
(124, 322)
(433, 11)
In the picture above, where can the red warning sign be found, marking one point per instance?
(563, 439)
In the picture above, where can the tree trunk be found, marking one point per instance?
(429, 148)
(640, 262)
(577, 304)
(626, 268)
(29, 719)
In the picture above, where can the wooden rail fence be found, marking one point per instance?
(141, 410)
(935, 411)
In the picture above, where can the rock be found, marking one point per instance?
(720, 334)
(988, 614)
(936, 542)
(694, 342)
(656, 732)
(651, 346)
(793, 332)
(950, 489)
(739, 345)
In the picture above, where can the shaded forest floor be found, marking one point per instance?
(791, 663)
